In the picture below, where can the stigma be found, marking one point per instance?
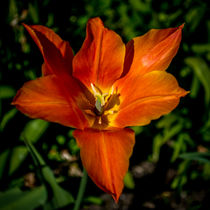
(105, 104)
(100, 99)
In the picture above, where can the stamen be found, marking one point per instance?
(109, 112)
(112, 90)
(99, 121)
(93, 88)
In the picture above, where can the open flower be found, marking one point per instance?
(106, 87)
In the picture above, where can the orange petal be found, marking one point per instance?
(105, 155)
(57, 53)
(100, 60)
(47, 98)
(152, 51)
(146, 98)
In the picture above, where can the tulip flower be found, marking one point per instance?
(101, 91)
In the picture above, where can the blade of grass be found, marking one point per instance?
(81, 191)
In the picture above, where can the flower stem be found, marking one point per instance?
(81, 191)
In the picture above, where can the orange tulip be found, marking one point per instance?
(106, 87)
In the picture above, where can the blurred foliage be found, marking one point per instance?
(178, 141)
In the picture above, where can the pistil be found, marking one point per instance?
(105, 104)
(100, 99)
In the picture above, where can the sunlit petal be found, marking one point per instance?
(46, 98)
(146, 98)
(152, 51)
(100, 60)
(105, 155)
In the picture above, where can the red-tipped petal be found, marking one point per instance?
(146, 98)
(47, 98)
(152, 51)
(100, 60)
(105, 155)
(62, 45)
(57, 53)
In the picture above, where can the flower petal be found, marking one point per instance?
(57, 53)
(152, 51)
(47, 98)
(146, 98)
(105, 155)
(100, 60)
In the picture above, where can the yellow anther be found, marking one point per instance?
(111, 90)
(95, 92)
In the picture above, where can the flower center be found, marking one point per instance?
(105, 105)
(100, 99)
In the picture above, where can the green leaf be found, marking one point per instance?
(194, 17)
(181, 179)
(8, 116)
(129, 181)
(34, 129)
(167, 121)
(205, 130)
(140, 6)
(38, 160)
(201, 48)
(6, 92)
(93, 200)
(73, 147)
(194, 87)
(202, 72)
(18, 154)
(208, 30)
(13, 10)
(169, 133)
(17, 199)
(60, 196)
(203, 157)
(157, 143)
(180, 145)
(33, 11)
(9, 195)
(3, 160)
(206, 171)
(137, 129)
